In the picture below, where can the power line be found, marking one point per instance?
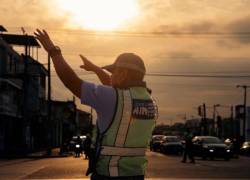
(221, 74)
(205, 73)
(183, 75)
(200, 76)
(186, 85)
(70, 53)
(151, 34)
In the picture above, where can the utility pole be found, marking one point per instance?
(214, 118)
(244, 87)
(205, 118)
(232, 122)
(203, 113)
(49, 109)
(25, 94)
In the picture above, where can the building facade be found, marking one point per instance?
(22, 99)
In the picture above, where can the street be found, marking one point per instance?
(160, 167)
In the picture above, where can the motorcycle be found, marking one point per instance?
(77, 150)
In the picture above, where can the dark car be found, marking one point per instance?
(171, 145)
(245, 149)
(210, 147)
(155, 143)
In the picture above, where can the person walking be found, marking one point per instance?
(126, 112)
(87, 144)
(78, 147)
(188, 149)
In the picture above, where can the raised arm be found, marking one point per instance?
(63, 70)
(102, 75)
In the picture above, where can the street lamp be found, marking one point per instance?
(245, 107)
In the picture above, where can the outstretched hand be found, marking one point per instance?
(87, 65)
(44, 39)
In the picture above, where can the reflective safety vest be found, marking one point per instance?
(123, 145)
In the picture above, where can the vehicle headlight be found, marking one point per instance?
(211, 150)
(244, 147)
(228, 150)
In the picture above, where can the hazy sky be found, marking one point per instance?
(214, 37)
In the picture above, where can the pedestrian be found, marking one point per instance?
(126, 112)
(87, 144)
(188, 147)
(78, 146)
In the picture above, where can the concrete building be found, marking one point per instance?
(63, 121)
(22, 97)
(11, 91)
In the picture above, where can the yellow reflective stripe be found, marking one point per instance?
(113, 166)
(122, 151)
(126, 116)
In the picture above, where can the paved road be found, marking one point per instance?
(171, 167)
(160, 167)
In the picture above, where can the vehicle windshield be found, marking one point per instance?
(172, 139)
(212, 140)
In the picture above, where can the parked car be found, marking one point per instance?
(245, 149)
(210, 147)
(171, 145)
(155, 142)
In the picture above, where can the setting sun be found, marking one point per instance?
(99, 14)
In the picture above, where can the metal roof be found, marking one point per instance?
(2, 29)
(22, 40)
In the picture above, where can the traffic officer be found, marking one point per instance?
(125, 110)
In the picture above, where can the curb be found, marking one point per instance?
(55, 153)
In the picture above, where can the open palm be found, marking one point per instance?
(44, 39)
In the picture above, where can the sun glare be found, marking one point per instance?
(99, 14)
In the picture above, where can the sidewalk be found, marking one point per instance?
(55, 153)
